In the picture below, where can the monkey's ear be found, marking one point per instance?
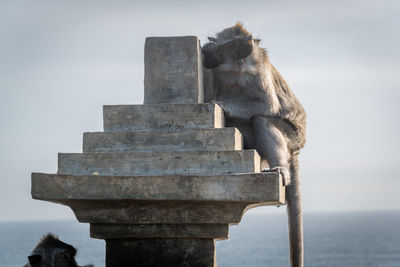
(34, 260)
(212, 39)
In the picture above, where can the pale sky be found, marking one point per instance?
(60, 61)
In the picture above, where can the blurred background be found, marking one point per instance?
(60, 61)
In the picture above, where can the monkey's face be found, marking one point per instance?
(54, 253)
(237, 59)
(65, 259)
(233, 54)
(234, 43)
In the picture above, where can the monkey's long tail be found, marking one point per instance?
(295, 215)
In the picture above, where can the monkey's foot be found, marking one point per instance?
(284, 172)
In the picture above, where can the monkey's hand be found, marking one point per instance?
(211, 55)
(283, 171)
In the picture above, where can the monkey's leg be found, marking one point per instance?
(272, 145)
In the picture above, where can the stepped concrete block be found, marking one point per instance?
(107, 231)
(160, 163)
(119, 118)
(173, 70)
(164, 140)
(163, 182)
(183, 199)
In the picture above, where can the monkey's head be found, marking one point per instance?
(232, 45)
(235, 32)
(51, 252)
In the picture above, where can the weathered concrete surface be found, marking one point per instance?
(251, 187)
(118, 118)
(160, 163)
(173, 70)
(160, 252)
(164, 140)
(160, 200)
(159, 212)
(109, 231)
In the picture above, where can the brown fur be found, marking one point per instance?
(257, 100)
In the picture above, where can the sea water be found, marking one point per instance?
(340, 239)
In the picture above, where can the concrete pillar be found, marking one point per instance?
(173, 71)
(165, 179)
(160, 252)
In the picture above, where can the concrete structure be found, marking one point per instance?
(165, 179)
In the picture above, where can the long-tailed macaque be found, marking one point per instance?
(258, 101)
(51, 252)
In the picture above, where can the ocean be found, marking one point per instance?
(336, 239)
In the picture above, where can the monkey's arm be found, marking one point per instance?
(244, 110)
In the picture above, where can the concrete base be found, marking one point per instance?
(160, 252)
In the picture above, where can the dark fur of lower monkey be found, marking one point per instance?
(252, 94)
(52, 252)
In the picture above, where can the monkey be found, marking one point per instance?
(257, 100)
(52, 252)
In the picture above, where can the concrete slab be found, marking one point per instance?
(164, 140)
(119, 118)
(159, 212)
(251, 187)
(160, 163)
(108, 231)
(188, 199)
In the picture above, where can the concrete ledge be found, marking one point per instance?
(120, 118)
(252, 187)
(108, 231)
(164, 140)
(159, 212)
(217, 199)
(160, 163)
